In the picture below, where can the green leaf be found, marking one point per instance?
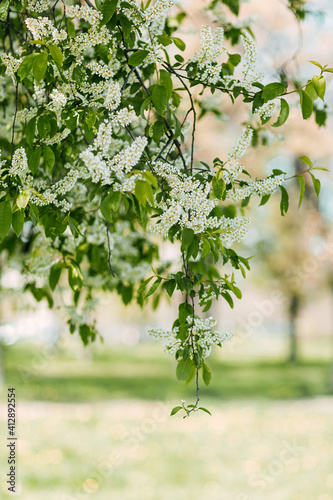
(144, 192)
(158, 131)
(137, 57)
(43, 126)
(306, 160)
(74, 227)
(79, 74)
(56, 54)
(175, 410)
(284, 204)
(306, 104)
(319, 83)
(316, 184)
(18, 221)
(302, 189)
(34, 160)
(316, 64)
(328, 70)
(5, 218)
(49, 158)
(205, 247)
(170, 286)
(110, 204)
(160, 99)
(187, 238)
(55, 273)
(4, 7)
(166, 81)
(153, 287)
(311, 91)
(272, 90)
(40, 66)
(284, 113)
(23, 199)
(26, 66)
(108, 9)
(180, 44)
(30, 132)
(206, 374)
(183, 369)
(234, 59)
(205, 410)
(233, 6)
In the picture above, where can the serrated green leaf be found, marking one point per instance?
(311, 91)
(79, 74)
(5, 218)
(23, 199)
(56, 54)
(110, 204)
(284, 204)
(144, 192)
(187, 238)
(34, 160)
(30, 131)
(284, 113)
(43, 126)
(205, 410)
(55, 273)
(319, 83)
(175, 410)
(183, 369)
(26, 66)
(205, 247)
(4, 7)
(306, 104)
(206, 374)
(316, 184)
(316, 64)
(180, 44)
(166, 81)
(170, 286)
(48, 156)
(272, 90)
(264, 199)
(306, 160)
(154, 287)
(302, 189)
(108, 9)
(40, 66)
(160, 99)
(137, 57)
(18, 221)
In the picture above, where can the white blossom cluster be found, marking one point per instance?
(157, 11)
(200, 328)
(11, 63)
(267, 110)
(19, 165)
(38, 6)
(249, 63)
(96, 35)
(59, 99)
(43, 28)
(189, 206)
(211, 50)
(58, 137)
(185, 195)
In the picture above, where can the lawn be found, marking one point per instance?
(94, 424)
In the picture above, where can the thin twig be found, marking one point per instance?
(109, 249)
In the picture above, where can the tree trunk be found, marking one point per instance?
(293, 341)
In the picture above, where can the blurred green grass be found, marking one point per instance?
(144, 372)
